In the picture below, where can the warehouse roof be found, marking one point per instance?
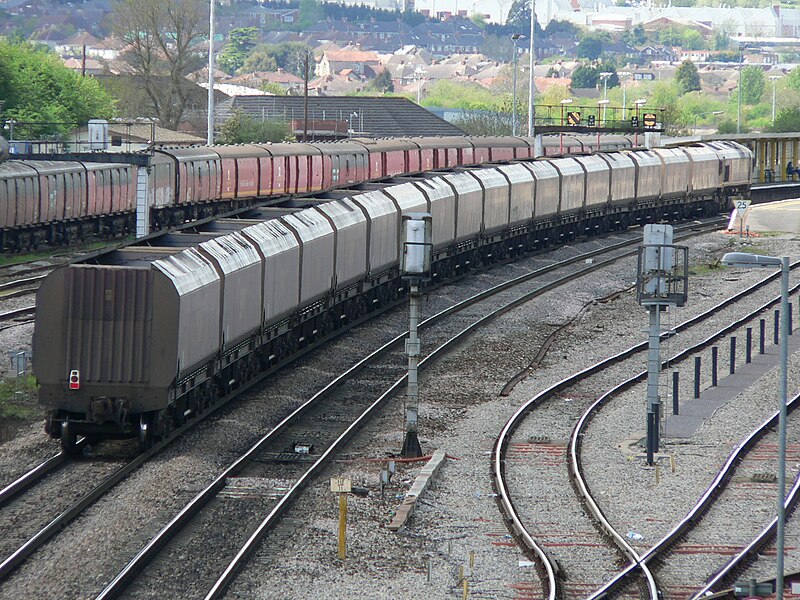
(368, 117)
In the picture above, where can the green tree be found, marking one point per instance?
(519, 18)
(687, 77)
(311, 13)
(35, 86)
(382, 83)
(635, 36)
(584, 77)
(752, 84)
(260, 59)
(240, 41)
(721, 40)
(787, 119)
(269, 57)
(591, 44)
(692, 40)
(666, 95)
(792, 79)
(240, 128)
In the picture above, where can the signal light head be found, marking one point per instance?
(74, 380)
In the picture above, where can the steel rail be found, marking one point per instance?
(503, 440)
(147, 553)
(13, 561)
(25, 481)
(708, 497)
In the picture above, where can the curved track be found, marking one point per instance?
(502, 445)
(263, 462)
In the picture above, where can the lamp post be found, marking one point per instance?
(697, 116)
(531, 62)
(419, 72)
(623, 75)
(739, 103)
(514, 38)
(639, 103)
(746, 260)
(9, 126)
(564, 102)
(773, 78)
(350, 130)
(600, 103)
(210, 136)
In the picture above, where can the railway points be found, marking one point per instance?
(423, 520)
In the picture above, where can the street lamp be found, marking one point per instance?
(210, 135)
(531, 62)
(564, 102)
(514, 38)
(350, 130)
(697, 116)
(9, 126)
(419, 72)
(774, 78)
(639, 103)
(739, 103)
(746, 260)
(623, 75)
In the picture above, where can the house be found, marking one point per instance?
(75, 44)
(364, 64)
(91, 66)
(287, 81)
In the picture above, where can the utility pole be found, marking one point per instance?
(210, 137)
(305, 95)
(531, 63)
(514, 38)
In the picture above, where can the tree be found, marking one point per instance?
(591, 45)
(165, 43)
(241, 128)
(311, 13)
(687, 77)
(260, 59)
(753, 84)
(584, 77)
(792, 79)
(666, 96)
(36, 87)
(519, 19)
(787, 119)
(692, 40)
(561, 27)
(240, 41)
(635, 36)
(382, 83)
(288, 56)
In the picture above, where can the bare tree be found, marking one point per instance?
(166, 41)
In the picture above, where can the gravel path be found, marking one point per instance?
(457, 525)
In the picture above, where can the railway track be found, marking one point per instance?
(502, 457)
(271, 474)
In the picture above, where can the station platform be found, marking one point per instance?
(694, 411)
(783, 216)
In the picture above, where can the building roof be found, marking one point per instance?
(377, 117)
(351, 56)
(81, 38)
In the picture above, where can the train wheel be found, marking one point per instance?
(68, 438)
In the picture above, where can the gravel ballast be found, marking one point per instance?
(457, 525)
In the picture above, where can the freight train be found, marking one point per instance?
(47, 202)
(136, 340)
